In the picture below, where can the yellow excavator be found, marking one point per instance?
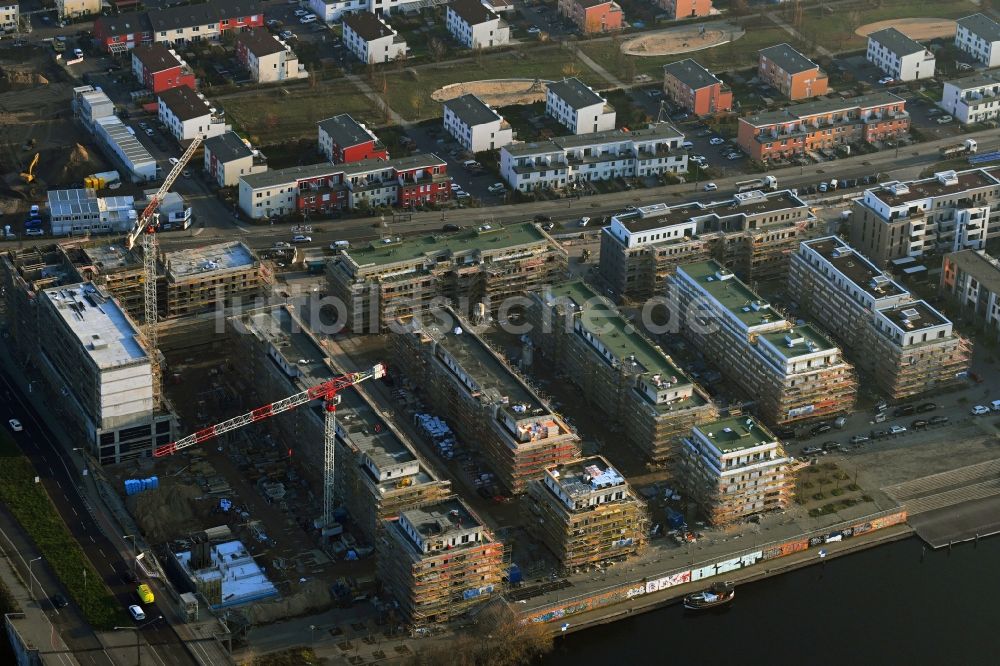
(29, 175)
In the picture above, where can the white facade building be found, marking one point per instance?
(76, 8)
(371, 39)
(74, 212)
(227, 157)
(9, 15)
(899, 56)
(268, 58)
(333, 11)
(576, 106)
(96, 110)
(475, 125)
(973, 99)
(979, 36)
(557, 163)
(475, 25)
(187, 114)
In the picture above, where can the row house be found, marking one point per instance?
(970, 280)
(973, 99)
(228, 157)
(371, 39)
(343, 140)
(979, 36)
(593, 16)
(187, 114)
(752, 234)
(677, 10)
(159, 68)
(322, 188)
(695, 89)
(268, 58)
(826, 123)
(791, 73)
(334, 11)
(475, 25)
(474, 125)
(898, 56)
(578, 107)
(121, 32)
(179, 24)
(560, 162)
(905, 346)
(947, 212)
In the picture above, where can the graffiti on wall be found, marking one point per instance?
(668, 582)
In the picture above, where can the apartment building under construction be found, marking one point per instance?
(752, 234)
(484, 400)
(439, 562)
(401, 278)
(903, 343)
(378, 474)
(619, 371)
(735, 468)
(586, 513)
(792, 372)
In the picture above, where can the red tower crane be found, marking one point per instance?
(327, 391)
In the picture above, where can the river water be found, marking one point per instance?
(894, 604)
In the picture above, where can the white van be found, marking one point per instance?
(995, 405)
(340, 245)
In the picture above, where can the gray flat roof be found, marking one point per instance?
(856, 267)
(470, 109)
(95, 318)
(691, 73)
(576, 93)
(932, 187)
(209, 259)
(227, 147)
(581, 478)
(978, 80)
(975, 264)
(766, 202)
(914, 316)
(441, 518)
(982, 26)
(345, 131)
(134, 151)
(896, 42)
(788, 59)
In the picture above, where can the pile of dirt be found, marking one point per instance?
(914, 28)
(168, 512)
(57, 168)
(496, 92)
(682, 39)
(309, 597)
(23, 75)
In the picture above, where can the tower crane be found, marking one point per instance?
(327, 391)
(146, 226)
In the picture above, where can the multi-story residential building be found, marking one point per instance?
(406, 278)
(371, 39)
(906, 346)
(268, 58)
(586, 513)
(71, 9)
(791, 73)
(121, 32)
(695, 89)
(593, 16)
(979, 36)
(618, 371)
(791, 372)
(971, 280)
(228, 157)
(439, 562)
(206, 21)
(947, 212)
(407, 181)
(475, 25)
(681, 9)
(488, 406)
(333, 11)
(825, 123)
(78, 212)
(159, 68)
(344, 140)
(973, 99)
(898, 56)
(199, 279)
(752, 234)
(10, 15)
(559, 163)
(475, 125)
(187, 114)
(735, 468)
(577, 107)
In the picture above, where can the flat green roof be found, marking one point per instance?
(802, 336)
(733, 433)
(735, 296)
(480, 239)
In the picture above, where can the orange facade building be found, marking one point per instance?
(682, 9)
(826, 123)
(593, 16)
(695, 89)
(791, 73)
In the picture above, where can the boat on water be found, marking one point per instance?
(719, 594)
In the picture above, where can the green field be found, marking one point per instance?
(33, 509)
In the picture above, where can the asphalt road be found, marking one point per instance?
(60, 482)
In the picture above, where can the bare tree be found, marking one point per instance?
(437, 48)
(416, 103)
(570, 69)
(498, 639)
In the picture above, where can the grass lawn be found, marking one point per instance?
(271, 116)
(408, 92)
(33, 509)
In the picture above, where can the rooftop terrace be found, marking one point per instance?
(658, 216)
(736, 433)
(914, 316)
(856, 267)
(581, 478)
(798, 341)
(731, 293)
(934, 187)
(438, 520)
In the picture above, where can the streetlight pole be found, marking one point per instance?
(31, 578)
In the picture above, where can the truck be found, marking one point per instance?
(967, 147)
(99, 181)
(762, 183)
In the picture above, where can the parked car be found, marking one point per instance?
(78, 53)
(939, 420)
(943, 120)
(301, 12)
(15, 425)
(450, 227)
(820, 428)
(299, 238)
(857, 439)
(496, 188)
(461, 194)
(919, 423)
(716, 141)
(173, 160)
(136, 613)
(813, 451)
(584, 221)
(710, 187)
(734, 156)
(534, 30)
(687, 145)
(831, 446)
(926, 407)
(287, 34)
(885, 80)
(59, 600)
(880, 434)
(897, 430)
(343, 244)
(785, 433)
(979, 410)
(904, 410)
(548, 226)
(149, 131)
